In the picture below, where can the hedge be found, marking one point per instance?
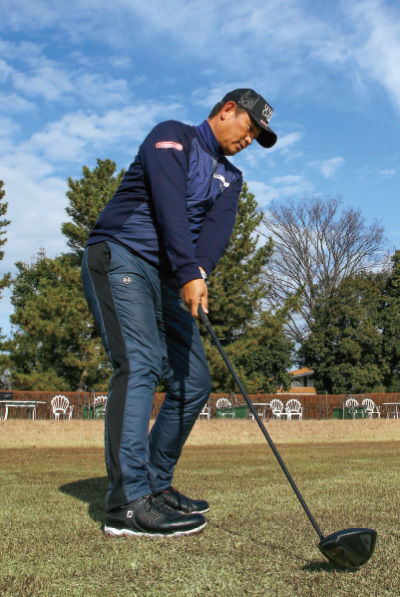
(315, 406)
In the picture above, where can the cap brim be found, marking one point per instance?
(267, 138)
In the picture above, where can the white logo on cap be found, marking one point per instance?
(267, 112)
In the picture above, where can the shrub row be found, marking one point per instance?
(315, 406)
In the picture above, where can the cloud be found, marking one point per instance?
(377, 51)
(34, 76)
(329, 167)
(48, 82)
(281, 187)
(8, 128)
(15, 103)
(36, 195)
(78, 135)
(36, 209)
(23, 15)
(359, 39)
(287, 141)
(5, 71)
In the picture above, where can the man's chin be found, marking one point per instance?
(232, 150)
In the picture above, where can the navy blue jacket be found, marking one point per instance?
(177, 203)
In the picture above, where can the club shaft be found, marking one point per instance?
(204, 319)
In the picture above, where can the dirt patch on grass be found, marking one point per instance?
(25, 433)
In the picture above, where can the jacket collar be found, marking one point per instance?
(209, 139)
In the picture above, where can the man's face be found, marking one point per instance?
(237, 131)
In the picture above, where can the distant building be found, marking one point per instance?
(303, 381)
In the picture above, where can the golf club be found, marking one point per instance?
(349, 548)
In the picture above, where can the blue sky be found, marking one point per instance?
(86, 80)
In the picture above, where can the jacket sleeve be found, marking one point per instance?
(165, 159)
(217, 227)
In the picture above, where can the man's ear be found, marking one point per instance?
(228, 111)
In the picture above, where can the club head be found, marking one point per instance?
(349, 548)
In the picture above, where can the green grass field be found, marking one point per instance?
(258, 540)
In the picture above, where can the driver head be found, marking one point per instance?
(349, 548)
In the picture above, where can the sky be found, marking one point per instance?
(87, 80)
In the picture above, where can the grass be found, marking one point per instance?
(258, 540)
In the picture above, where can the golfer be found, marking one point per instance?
(148, 256)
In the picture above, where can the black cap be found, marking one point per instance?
(260, 111)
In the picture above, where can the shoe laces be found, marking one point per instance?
(157, 505)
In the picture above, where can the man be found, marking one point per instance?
(150, 252)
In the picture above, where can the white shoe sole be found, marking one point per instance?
(112, 532)
(194, 511)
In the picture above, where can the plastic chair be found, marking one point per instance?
(276, 407)
(100, 403)
(61, 408)
(205, 412)
(293, 409)
(351, 403)
(371, 408)
(224, 403)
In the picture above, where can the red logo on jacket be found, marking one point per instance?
(169, 145)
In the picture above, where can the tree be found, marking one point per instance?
(87, 197)
(55, 343)
(317, 244)
(6, 278)
(5, 281)
(236, 288)
(390, 325)
(265, 359)
(252, 335)
(345, 346)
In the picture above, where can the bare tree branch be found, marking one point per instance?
(316, 245)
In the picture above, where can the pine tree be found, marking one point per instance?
(55, 343)
(5, 281)
(236, 288)
(87, 197)
(6, 278)
(249, 332)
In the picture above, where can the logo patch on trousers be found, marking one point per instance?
(126, 280)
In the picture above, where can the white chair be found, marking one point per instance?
(293, 409)
(205, 412)
(100, 403)
(61, 408)
(224, 403)
(276, 407)
(351, 403)
(371, 408)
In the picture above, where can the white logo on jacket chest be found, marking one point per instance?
(222, 179)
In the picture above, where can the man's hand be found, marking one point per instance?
(193, 293)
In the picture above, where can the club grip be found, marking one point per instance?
(202, 315)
